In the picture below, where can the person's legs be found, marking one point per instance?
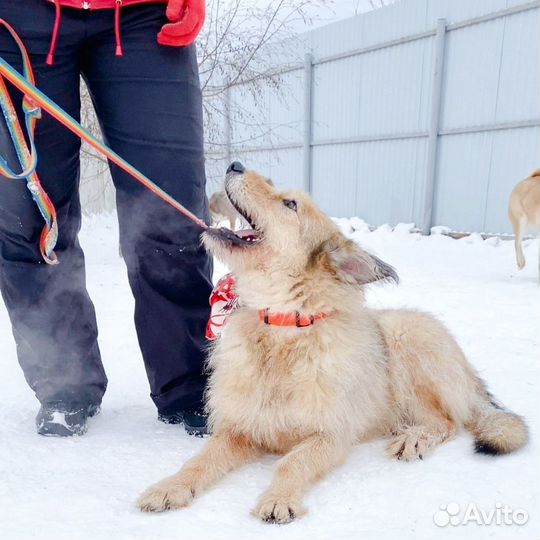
(52, 316)
(149, 105)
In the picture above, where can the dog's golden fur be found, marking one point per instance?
(524, 211)
(310, 394)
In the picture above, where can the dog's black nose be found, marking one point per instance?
(236, 167)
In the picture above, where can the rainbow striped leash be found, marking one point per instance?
(34, 100)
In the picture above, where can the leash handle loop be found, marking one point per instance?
(27, 157)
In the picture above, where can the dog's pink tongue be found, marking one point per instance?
(246, 234)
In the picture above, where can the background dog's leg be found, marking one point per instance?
(306, 463)
(231, 217)
(519, 224)
(223, 453)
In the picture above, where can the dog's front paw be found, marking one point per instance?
(165, 495)
(408, 446)
(276, 509)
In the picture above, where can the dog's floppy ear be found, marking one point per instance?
(354, 265)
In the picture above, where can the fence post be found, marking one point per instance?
(227, 121)
(308, 95)
(433, 134)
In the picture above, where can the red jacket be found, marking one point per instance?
(93, 4)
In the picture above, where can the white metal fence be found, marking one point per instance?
(426, 111)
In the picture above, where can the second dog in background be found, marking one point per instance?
(524, 211)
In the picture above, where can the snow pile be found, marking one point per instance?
(85, 487)
(440, 229)
(359, 225)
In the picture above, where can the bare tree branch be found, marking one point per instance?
(239, 50)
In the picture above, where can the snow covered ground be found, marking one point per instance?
(85, 488)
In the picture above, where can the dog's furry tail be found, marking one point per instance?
(496, 430)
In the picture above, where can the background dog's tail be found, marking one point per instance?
(496, 430)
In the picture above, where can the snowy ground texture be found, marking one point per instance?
(85, 488)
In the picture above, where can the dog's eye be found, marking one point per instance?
(289, 203)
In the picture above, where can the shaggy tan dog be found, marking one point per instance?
(524, 211)
(311, 393)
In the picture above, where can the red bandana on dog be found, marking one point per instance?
(223, 301)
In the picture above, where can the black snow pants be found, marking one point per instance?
(148, 102)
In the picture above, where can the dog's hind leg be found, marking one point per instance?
(231, 218)
(539, 260)
(414, 442)
(519, 223)
(307, 462)
(432, 426)
(223, 453)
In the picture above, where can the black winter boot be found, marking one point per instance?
(62, 421)
(194, 420)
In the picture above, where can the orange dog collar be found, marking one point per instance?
(291, 318)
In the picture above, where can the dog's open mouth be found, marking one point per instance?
(244, 237)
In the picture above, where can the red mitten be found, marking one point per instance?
(187, 18)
